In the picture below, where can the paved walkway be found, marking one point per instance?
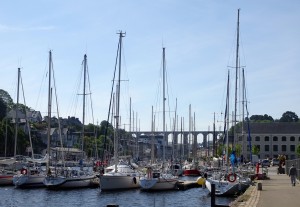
(276, 192)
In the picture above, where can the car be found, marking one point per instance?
(265, 163)
(275, 162)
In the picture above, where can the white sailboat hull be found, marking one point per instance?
(6, 179)
(28, 181)
(158, 183)
(226, 188)
(61, 182)
(118, 181)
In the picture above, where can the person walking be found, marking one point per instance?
(293, 174)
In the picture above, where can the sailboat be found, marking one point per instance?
(229, 183)
(32, 174)
(122, 175)
(192, 169)
(6, 175)
(69, 178)
(176, 165)
(7, 171)
(156, 180)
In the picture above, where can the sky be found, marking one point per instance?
(199, 37)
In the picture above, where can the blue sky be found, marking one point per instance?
(199, 37)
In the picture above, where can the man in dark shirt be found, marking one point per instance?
(293, 174)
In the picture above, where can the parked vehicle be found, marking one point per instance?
(275, 162)
(265, 163)
(255, 159)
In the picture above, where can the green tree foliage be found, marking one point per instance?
(106, 125)
(255, 150)
(289, 116)
(238, 149)
(95, 146)
(7, 131)
(220, 149)
(261, 118)
(6, 98)
(298, 150)
(3, 109)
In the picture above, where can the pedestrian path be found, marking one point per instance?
(276, 192)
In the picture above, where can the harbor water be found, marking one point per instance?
(13, 197)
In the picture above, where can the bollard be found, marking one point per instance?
(213, 195)
(259, 186)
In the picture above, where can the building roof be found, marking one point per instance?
(274, 128)
(12, 114)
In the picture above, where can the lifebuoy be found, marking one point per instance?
(231, 177)
(134, 180)
(24, 171)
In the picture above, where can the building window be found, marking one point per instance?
(292, 148)
(283, 148)
(275, 139)
(257, 139)
(292, 139)
(240, 138)
(275, 148)
(267, 148)
(266, 139)
(283, 139)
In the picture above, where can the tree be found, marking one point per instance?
(298, 150)
(238, 149)
(255, 150)
(3, 109)
(261, 118)
(6, 98)
(289, 116)
(220, 149)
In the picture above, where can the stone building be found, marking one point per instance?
(272, 139)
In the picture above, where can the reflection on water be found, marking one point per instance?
(10, 196)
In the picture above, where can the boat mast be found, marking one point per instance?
(84, 94)
(16, 117)
(184, 141)
(236, 77)
(227, 121)
(164, 111)
(214, 137)
(181, 139)
(130, 115)
(243, 111)
(195, 138)
(174, 138)
(189, 136)
(49, 110)
(152, 137)
(117, 117)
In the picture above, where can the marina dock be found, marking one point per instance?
(186, 184)
(276, 192)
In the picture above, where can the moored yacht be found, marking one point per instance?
(123, 176)
(156, 181)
